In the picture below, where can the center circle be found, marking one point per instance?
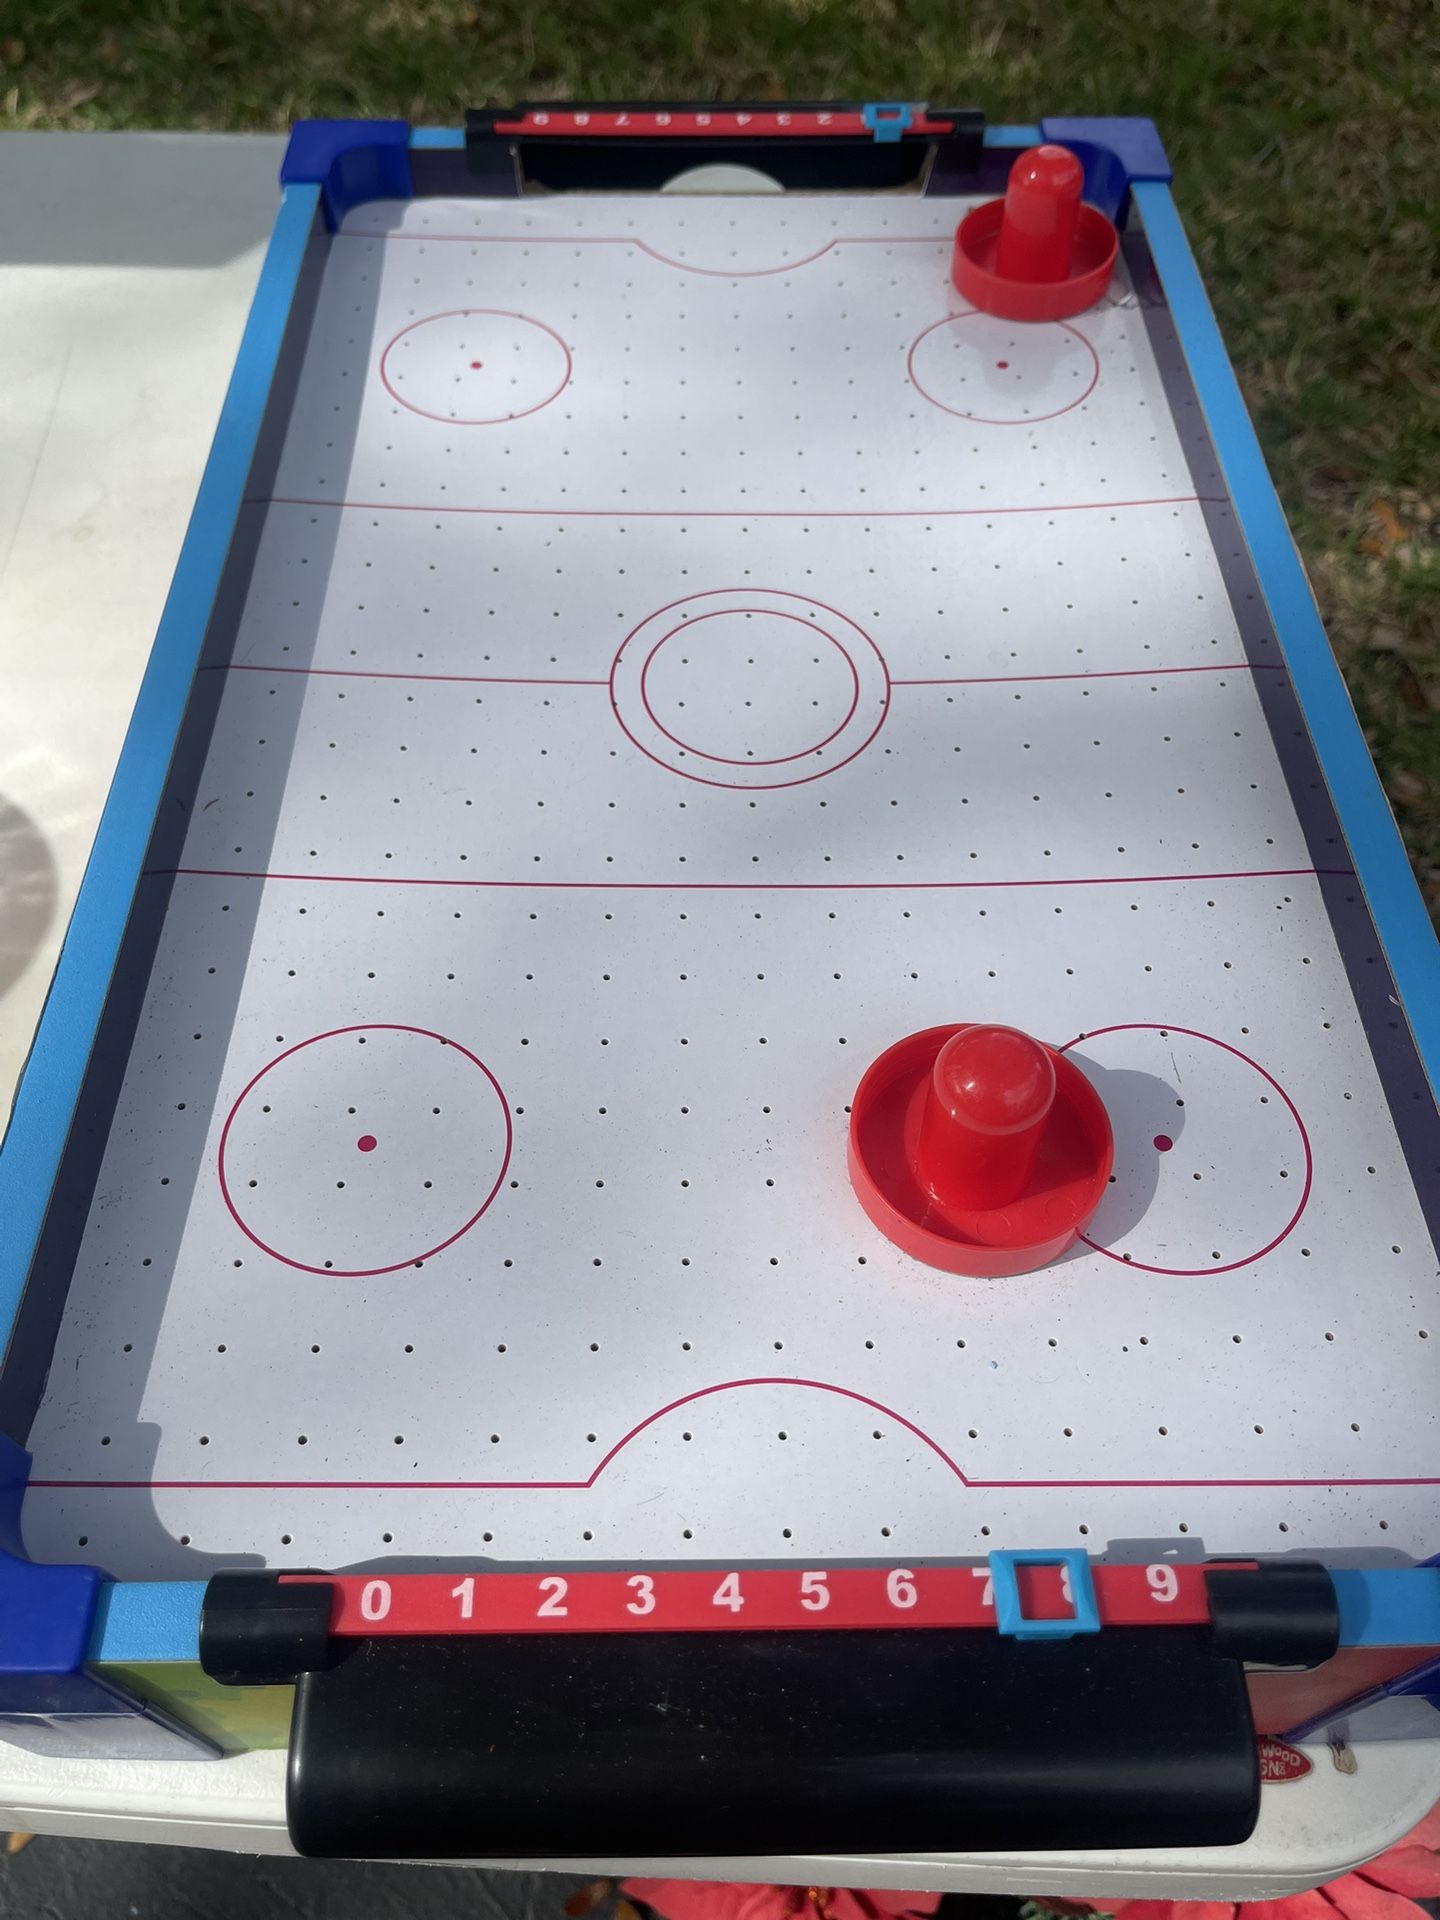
(303, 1188)
(476, 366)
(749, 687)
(764, 682)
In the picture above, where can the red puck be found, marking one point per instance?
(1040, 253)
(978, 1149)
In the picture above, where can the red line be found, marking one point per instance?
(753, 886)
(642, 246)
(537, 680)
(1107, 673)
(736, 513)
(365, 673)
(705, 1393)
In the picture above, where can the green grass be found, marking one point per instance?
(1303, 134)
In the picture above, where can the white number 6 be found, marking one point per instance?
(900, 1587)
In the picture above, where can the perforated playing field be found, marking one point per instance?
(684, 649)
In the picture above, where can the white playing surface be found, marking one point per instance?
(687, 651)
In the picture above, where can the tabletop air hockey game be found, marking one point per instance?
(747, 1035)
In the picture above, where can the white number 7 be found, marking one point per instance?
(987, 1592)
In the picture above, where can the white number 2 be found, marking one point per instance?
(1164, 1583)
(814, 1593)
(554, 1607)
(643, 1587)
(728, 1594)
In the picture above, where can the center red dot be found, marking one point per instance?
(367, 1143)
(477, 363)
(1163, 1143)
(1002, 364)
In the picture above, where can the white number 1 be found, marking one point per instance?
(465, 1594)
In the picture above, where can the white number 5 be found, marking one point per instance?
(814, 1593)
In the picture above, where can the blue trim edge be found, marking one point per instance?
(1378, 853)
(351, 161)
(50, 1083)
(148, 1620)
(1388, 1606)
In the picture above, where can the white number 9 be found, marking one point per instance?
(1164, 1584)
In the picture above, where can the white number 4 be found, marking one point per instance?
(728, 1594)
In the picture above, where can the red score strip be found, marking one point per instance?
(750, 1599)
(676, 123)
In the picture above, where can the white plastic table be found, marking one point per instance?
(126, 264)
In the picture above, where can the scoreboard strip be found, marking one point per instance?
(707, 123)
(747, 1599)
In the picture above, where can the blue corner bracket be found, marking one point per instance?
(1010, 1616)
(1115, 152)
(351, 161)
(46, 1615)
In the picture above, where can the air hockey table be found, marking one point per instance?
(645, 644)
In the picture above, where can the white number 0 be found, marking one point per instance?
(375, 1599)
(900, 1587)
